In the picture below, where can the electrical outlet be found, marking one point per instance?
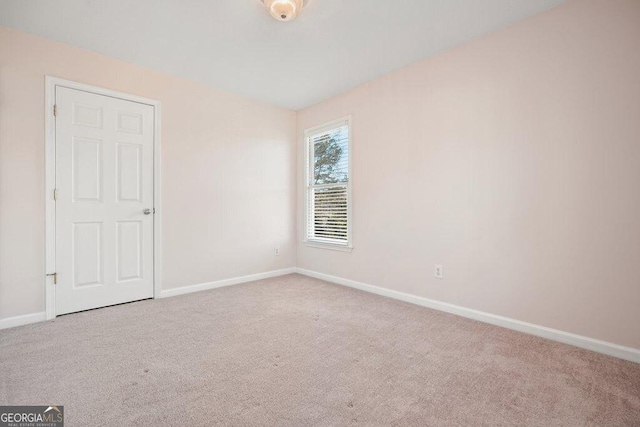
(438, 272)
(276, 251)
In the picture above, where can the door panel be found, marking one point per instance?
(86, 170)
(87, 115)
(129, 172)
(130, 241)
(87, 254)
(104, 181)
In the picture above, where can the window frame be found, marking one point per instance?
(309, 167)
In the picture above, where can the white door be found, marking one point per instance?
(104, 185)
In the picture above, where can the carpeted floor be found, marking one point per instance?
(296, 351)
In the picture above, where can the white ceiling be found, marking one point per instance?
(234, 45)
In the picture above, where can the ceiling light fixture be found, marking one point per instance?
(284, 10)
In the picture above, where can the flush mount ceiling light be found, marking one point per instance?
(284, 10)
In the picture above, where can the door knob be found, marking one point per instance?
(147, 211)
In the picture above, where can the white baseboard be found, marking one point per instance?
(603, 347)
(226, 282)
(25, 319)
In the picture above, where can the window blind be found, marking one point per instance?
(328, 186)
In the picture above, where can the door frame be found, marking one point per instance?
(50, 182)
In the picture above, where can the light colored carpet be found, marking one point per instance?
(296, 351)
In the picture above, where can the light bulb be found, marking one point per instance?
(284, 10)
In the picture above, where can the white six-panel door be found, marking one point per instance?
(104, 184)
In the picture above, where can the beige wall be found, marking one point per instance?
(228, 171)
(514, 161)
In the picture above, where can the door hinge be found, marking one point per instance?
(55, 277)
(55, 109)
(55, 194)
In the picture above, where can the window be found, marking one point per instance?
(329, 185)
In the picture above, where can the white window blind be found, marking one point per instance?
(328, 204)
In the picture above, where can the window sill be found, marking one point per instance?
(330, 246)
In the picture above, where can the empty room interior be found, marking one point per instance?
(319, 213)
